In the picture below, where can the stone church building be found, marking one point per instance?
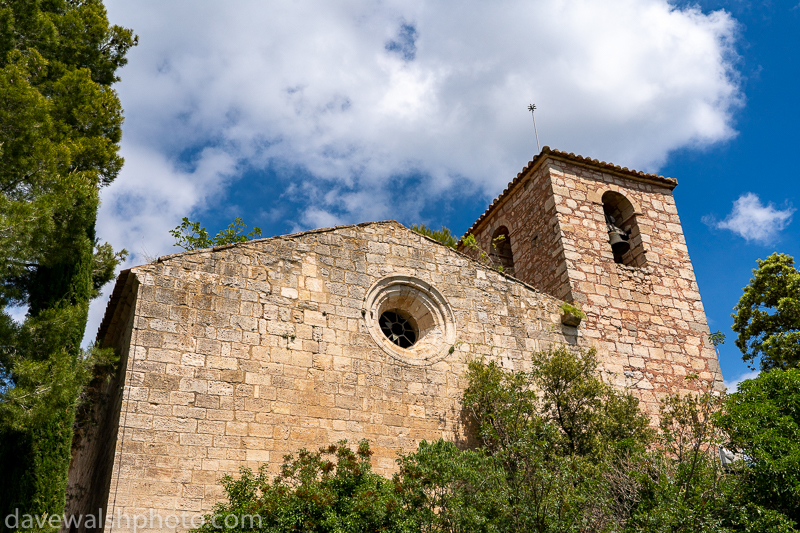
(237, 355)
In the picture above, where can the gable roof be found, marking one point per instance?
(125, 282)
(558, 155)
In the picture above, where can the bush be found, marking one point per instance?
(312, 494)
(559, 451)
(762, 421)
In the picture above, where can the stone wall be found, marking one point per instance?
(245, 353)
(647, 321)
(97, 427)
(529, 213)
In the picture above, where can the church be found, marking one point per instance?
(237, 355)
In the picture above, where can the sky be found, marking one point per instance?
(304, 114)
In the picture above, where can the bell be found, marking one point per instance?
(619, 241)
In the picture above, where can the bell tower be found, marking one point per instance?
(609, 240)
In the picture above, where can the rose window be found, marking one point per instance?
(409, 320)
(399, 328)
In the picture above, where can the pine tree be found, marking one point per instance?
(60, 127)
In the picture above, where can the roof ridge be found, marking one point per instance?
(263, 239)
(547, 152)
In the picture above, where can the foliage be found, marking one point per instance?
(60, 127)
(191, 236)
(443, 235)
(572, 310)
(45, 372)
(501, 404)
(716, 338)
(562, 392)
(449, 490)
(312, 494)
(686, 489)
(590, 414)
(550, 429)
(503, 407)
(104, 262)
(470, 247)
(687, 428)
(558, 451)
(767, 317)
(762, 421)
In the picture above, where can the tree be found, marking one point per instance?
(538, 485)
(449, 490)
(684, 488)
(681, 485)
(590, 414)
(60, 127)
(762, 421)
(549, 431)
(191, 236)
(767, 317)
(563, 390)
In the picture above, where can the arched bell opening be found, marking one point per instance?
(623, 231)
(501, 252)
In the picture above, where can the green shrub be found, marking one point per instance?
(572, 310)
(443, 235)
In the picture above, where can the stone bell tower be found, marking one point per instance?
(642, 302)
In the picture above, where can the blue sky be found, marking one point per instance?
(761, 159)
(296, 115)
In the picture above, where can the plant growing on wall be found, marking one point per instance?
(571, 315)
(191, 236)
(472, 249)
(570, 309)
(443, 235)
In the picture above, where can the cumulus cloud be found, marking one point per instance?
(356, 105)
(355, 97)
(752, 220)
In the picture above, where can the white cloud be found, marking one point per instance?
(346, 100)
(321, 87)
(752, 220)
(154, 193)
(733, 385)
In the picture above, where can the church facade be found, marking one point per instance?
(238, 355)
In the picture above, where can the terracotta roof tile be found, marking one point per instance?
(546, 152)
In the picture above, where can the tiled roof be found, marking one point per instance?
(548, 152)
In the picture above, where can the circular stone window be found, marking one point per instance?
(399, 327)
(410, 320)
